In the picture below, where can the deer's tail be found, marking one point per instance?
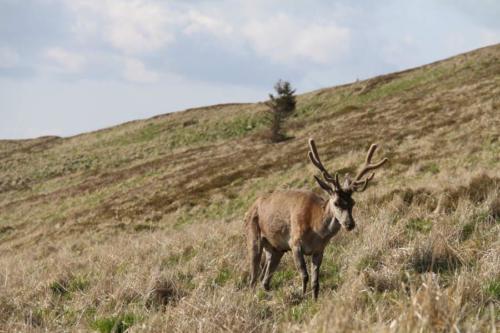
(254, 242)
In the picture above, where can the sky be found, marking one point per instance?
(71, 66)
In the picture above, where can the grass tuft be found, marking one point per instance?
(493, 289)
(281, 277)
(419, 225)
(164, 292)
(467, 231)
(494, 209)
(69, 284)
(434, 255)
(114, 324)
(223, 276)
(370, 261)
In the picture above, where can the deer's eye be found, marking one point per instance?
(336, 203)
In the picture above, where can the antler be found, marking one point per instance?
(359, 184)
(314, 157)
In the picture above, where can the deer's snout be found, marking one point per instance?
(349, 226)
(349, 223)
(346, 220)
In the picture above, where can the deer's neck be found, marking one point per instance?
(329, 224)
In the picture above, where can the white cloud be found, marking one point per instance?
(138, 27)
(285, 40)
(197, 22)
(136, 71)
(65, 61)
(133, 26)
(8, 57)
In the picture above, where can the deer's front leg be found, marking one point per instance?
(298, 257)
(316, 264)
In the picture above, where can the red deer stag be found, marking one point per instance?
(302, 221)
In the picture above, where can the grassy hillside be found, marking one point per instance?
(139, 226)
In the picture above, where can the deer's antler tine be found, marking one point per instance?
(368, 166)
(360, 182)
(336, 181)
(328, 177)
(315, 161)
(323, 185)
(314, 157)
(360, 185)
(313, 150)
(370, 153)
(320, 166)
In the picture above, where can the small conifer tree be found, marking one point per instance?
(281, 107)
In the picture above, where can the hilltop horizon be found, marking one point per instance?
(230, 103)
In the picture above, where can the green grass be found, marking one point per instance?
(306, 110)
(493, 289)
(305, 308)
(281, 277)
(403, 84)
(223, 276)
(331, 273)
(213, 131)
(467, 231)
(421, 225)
(66, 286)
(174, 259)
(369, 261)
(114, 324)
(431, 168)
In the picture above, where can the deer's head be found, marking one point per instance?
(340, 196)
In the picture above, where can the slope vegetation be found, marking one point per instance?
(139, 226)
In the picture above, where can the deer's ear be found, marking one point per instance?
(324, 185)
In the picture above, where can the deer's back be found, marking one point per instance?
(285, 215)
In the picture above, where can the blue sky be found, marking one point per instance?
(70, 66)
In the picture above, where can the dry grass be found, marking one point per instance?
(139, 227)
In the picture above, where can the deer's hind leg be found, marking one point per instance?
(273, 258)
(256, 253)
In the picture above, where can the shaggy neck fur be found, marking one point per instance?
(329, 225)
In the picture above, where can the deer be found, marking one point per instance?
(302, 221)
